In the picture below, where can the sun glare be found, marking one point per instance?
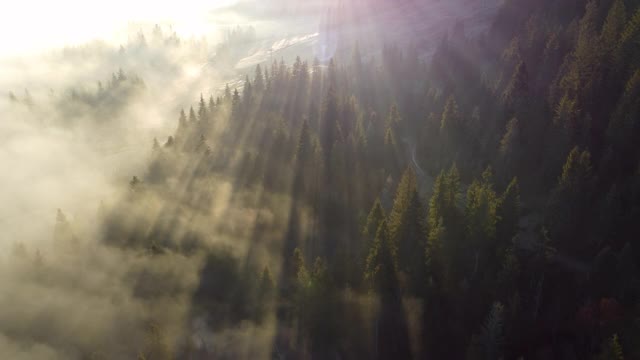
(34, 25)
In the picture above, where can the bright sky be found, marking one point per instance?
(34, 25)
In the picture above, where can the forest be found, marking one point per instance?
(475, 203)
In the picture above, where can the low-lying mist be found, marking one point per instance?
(152, 200)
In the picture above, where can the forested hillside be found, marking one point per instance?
(479, 203)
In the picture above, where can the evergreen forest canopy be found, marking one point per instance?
(478, 203)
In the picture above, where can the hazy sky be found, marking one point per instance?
(34, 25)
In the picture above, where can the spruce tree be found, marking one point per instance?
(382, 264)
(202, 110)
(192, 116)
(406, 228)
(613, 26)
(569, 205)
(508, 214)
(258, 80)
(375, 217)
(212, 106)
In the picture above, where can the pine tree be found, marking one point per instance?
(445, 224)
(612, 349)
(445, 198)
(453, 188)
(451, 140)
(511, 150)
(481, 220)
(303, 161)
(627, 54)
(406, 228)
(316, 81)
(438, 202)
(300, 271)
(247, 91)
(330, 131)
(450, 116)
(303, 146)
(192, 116)
(584, 73)
(382, 264)
(517, 92)
(202, 144)
(393, 119)
(508, 214)
(202, 110)
(613, 26)
(62, 231)
(480, 209)
(374, 219)
(390, 152)
(623, 130)
(576, 172)
(227, 94)
(235, 105)
(569, 205)
(169, 142)
(434, 258)
(258, 80)
(406, 191)
(212, 106)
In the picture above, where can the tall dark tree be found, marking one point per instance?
(569, 205)
(192, 116)
(203, 114)
(258, 80)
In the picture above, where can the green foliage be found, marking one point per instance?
(508, 214)
(627, 53)
(576, 172)
(624, 128)
(614, 25)
(450, 116)
(393, 119)
(203, 114)
(192, 115)
(445, 199)
(566, 114)
(480, 212)
(374, 219)
(511, 139)
(406, 228)
(382, 264)
(406, 194)
(612, 349)
(258, 80)
(306, 153)
(434, 256)
(568, 205)
(300, 269)
(512, 150)
(517, 91)
(303, 147)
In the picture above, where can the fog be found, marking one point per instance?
(86, 88)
